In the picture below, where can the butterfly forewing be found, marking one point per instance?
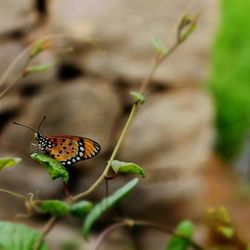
(71, 149)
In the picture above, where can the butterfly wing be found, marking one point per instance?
(71, 149)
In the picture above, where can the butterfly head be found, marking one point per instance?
(43, 142)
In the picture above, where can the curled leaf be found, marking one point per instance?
(106, 203)
(186, 27)
(81, 208)
(55, 168)
(139, 98)
(127, 167)
(6, 162)
(54, 207)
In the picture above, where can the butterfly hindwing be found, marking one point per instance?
(91, 148)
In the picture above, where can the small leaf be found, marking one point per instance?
(127, 167)
(139, 98)
(80, 209)
(6, 162)
(18, 237)
(106, 203)
(185, 229)
(38, 68)
(39, 47)
(219, 215)
(248, 246)
(226, 231)
(54, 207)
(158, 46)
(55, 168)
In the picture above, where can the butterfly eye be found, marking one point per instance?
(36, 136)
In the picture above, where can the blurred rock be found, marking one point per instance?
(10, 104)
(9, 51)
(15, 14)
(123, 30)
(167, 122)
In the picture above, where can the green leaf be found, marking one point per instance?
(185, 229)
(18, 237)
(38, 48)
(219, 215)
(55, 168)
(248, 246)
(158, 46)
(139, 98)
(106, 203)
(6, 162)
(127, 167)
(226, 231)
(54, 207)
(38, 68)
(80, 209)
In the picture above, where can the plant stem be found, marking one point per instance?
(49, 225)
(26, 52)
(143, 87)
(108, 166)
(12, 193)
(107, 232)
(132, 223)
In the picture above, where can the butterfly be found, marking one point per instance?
(68, 149)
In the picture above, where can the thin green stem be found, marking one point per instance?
(143, 87)
(20, 196)
(108, 166)
(107, 232)
(49, 225)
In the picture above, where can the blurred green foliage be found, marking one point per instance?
(230, 77)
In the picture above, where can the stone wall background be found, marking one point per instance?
(87, 93)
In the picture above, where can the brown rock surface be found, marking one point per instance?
(15, 14)
(85, 107)
(124, 29)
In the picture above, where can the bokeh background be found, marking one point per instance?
(190, 136)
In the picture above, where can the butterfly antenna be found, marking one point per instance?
(41, 122)
(22, 125)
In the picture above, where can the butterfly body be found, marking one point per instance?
(68, 149)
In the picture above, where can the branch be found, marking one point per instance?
(50, 224)
(133, 223)
(12, 193)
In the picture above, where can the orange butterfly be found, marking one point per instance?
(68, 149)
